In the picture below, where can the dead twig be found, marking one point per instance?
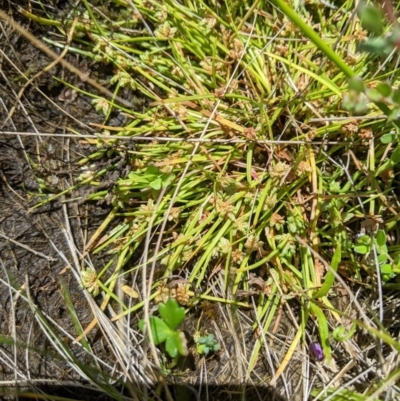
(50, 53)
(48, 68)
(42, 255)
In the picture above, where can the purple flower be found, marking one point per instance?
(316, 352)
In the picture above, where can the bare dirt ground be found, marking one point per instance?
(34, 243)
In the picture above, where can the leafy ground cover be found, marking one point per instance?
(248, 154)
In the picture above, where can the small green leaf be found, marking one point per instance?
(156, 184)
(382, 258)
(159, 329)
(152, 170)
(172, 313)
(354, 101)
(382, 249)
(387, 272)
(356, 84)
(362, 249)
(200, 348)
(171, 345)
(207, 344)
(377, 46)
(182, 344)
(386, 269)
(339, 334)
(371, 18)
(384, 89)
(394, 114)
(334, 186)
(176, 343)
(364, 239)
(380, 238)
(388, 138)
(396, 155)
(374, 95)
(396, 96)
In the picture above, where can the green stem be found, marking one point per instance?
(321, 44)
(314, 37)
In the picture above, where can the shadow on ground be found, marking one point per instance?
(178, 393)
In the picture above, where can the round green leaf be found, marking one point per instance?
(382, 258)
(201, 348)
(362, 249)
(384, 89)
(356, 84)
(380, 238)
(374, 95)
(386, 269)
(388, 138)
(371, 18)
(396, 96)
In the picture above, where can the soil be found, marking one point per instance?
(34, 249)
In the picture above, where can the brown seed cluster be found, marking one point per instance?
(365, 134)
(180, 293)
